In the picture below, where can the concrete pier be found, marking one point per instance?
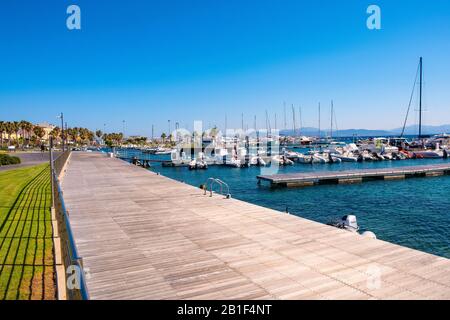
(144, 236)
(304, 179)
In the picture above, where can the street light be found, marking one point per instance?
(61, 116)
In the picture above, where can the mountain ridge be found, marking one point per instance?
(409, 130)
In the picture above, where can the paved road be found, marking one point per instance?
(28, 159)
(144, 236)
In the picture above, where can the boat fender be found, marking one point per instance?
(369, 234)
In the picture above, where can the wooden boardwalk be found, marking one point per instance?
(144, 236)
(304, 179)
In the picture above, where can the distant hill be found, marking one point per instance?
(409, 130)
(414, 129)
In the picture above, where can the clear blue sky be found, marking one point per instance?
(149, 61)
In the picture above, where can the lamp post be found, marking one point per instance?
(61, 116)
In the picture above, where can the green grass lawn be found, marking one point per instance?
(26, 247)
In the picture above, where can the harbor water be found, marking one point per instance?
(414, 212)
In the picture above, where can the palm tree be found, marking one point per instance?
(39, 132)
(163, 137)
(16, 126)
(2, 131)
(90, 135)
(28, 128)
(10, 129)
(55, 133)
(99, 133)
(85, 135)
(22, 129)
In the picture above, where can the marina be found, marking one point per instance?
(139, 241)
(354, 176)
(218, 155)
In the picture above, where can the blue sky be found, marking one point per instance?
(146, 62)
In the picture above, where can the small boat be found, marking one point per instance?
(305, 159)
(365, 156)
(163, 151)
(198, 165)
(347, 157)
(378, 156)
(282, 160)
(347, 222)
(320, 158)
(333, 159)
(291, 155)
(427, 154)
(257, 161)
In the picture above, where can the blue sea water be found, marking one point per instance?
(414, 212)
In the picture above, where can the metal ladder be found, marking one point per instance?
(214, 181)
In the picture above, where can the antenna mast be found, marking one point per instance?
(331, 116)
(319, 120)
(293, 119)
(300, 120)
(420, 99)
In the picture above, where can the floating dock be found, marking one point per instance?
(145, 236)
(354, 176)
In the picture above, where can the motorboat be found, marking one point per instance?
(347, 222)
(178, 159)
(199, 163)
(320, 158)
(236, 163)
(428, 154)
(291, 155)
(257, 161)
(305, 159)
(346, 157)
(282, 160)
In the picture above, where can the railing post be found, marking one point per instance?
(52, 169)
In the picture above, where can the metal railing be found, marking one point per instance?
(213, 181)
(75, 280)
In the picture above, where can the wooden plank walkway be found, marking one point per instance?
(354, 176)
(144, 236)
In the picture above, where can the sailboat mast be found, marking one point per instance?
(331, 116)
(269, 129)
(293, 120)
(319, 120)
(300, 120)
(420, 99)
(226, 120)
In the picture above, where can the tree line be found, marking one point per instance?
(27, 134)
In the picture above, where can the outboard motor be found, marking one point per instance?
(330, 158)
(350, 222)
